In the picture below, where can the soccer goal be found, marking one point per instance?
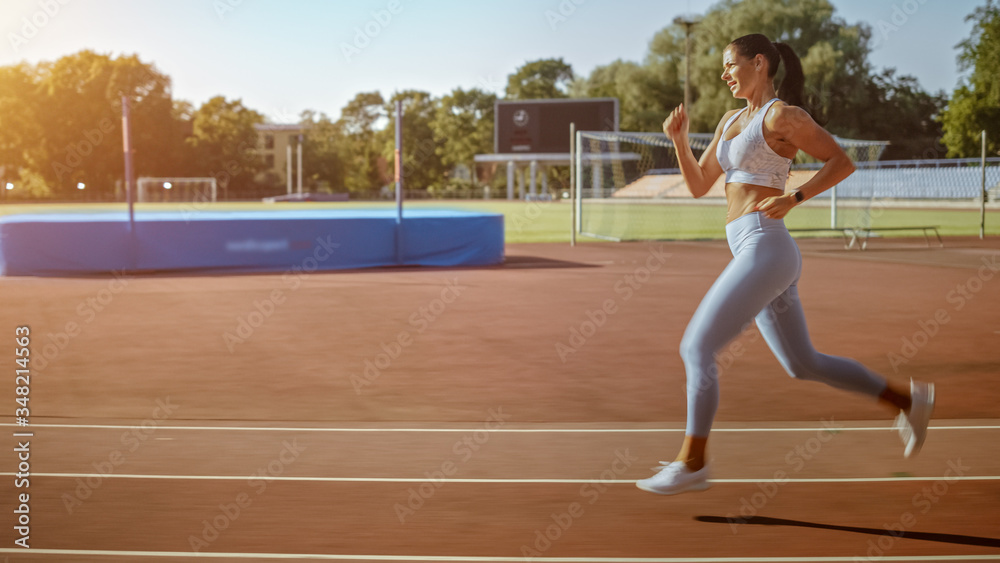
(629, 187)
(176, 190)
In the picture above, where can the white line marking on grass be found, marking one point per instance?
(489, 481)
(479, 559)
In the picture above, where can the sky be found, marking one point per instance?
(285, 56)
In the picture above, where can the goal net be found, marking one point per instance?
(629, 187)
(175, 190)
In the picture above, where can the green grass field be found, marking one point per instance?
(651, 221)
(550, 221)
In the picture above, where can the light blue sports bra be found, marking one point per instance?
(748, 159)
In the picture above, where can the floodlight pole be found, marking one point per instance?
(688, 24)
(399, 181)
(129, 174)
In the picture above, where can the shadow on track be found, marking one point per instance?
(906, 534)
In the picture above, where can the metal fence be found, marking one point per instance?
(940, 179)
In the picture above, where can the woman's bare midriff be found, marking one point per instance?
(743, 198)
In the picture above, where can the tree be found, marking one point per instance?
(422, 166)
(84, 134)
(907, 116)
(82, 131)
(645, 93)
(463, 127)
(363, 114)
(322, 154)
(21, 143)
(157, 137)
(62, 121)
(22, 146)
(224, 138)
(360, 121)
(840, 91)
(975, 104)
(834, 54)
(541, 79)
(181, 154)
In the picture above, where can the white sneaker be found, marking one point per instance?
(675, 478)
(912, 424)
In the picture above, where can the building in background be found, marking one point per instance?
(273, 141)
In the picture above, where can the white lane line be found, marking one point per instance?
(482, 559)
(493, 430)
(486, 480)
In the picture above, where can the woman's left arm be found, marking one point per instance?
(793, 126)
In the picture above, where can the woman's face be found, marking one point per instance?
(739, 72)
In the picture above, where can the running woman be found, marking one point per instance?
(754, 147)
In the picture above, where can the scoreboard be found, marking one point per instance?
(542, 126)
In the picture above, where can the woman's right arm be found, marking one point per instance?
(701, 175)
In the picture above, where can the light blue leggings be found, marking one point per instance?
(759, 284)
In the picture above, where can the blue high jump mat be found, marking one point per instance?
(67, 244)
